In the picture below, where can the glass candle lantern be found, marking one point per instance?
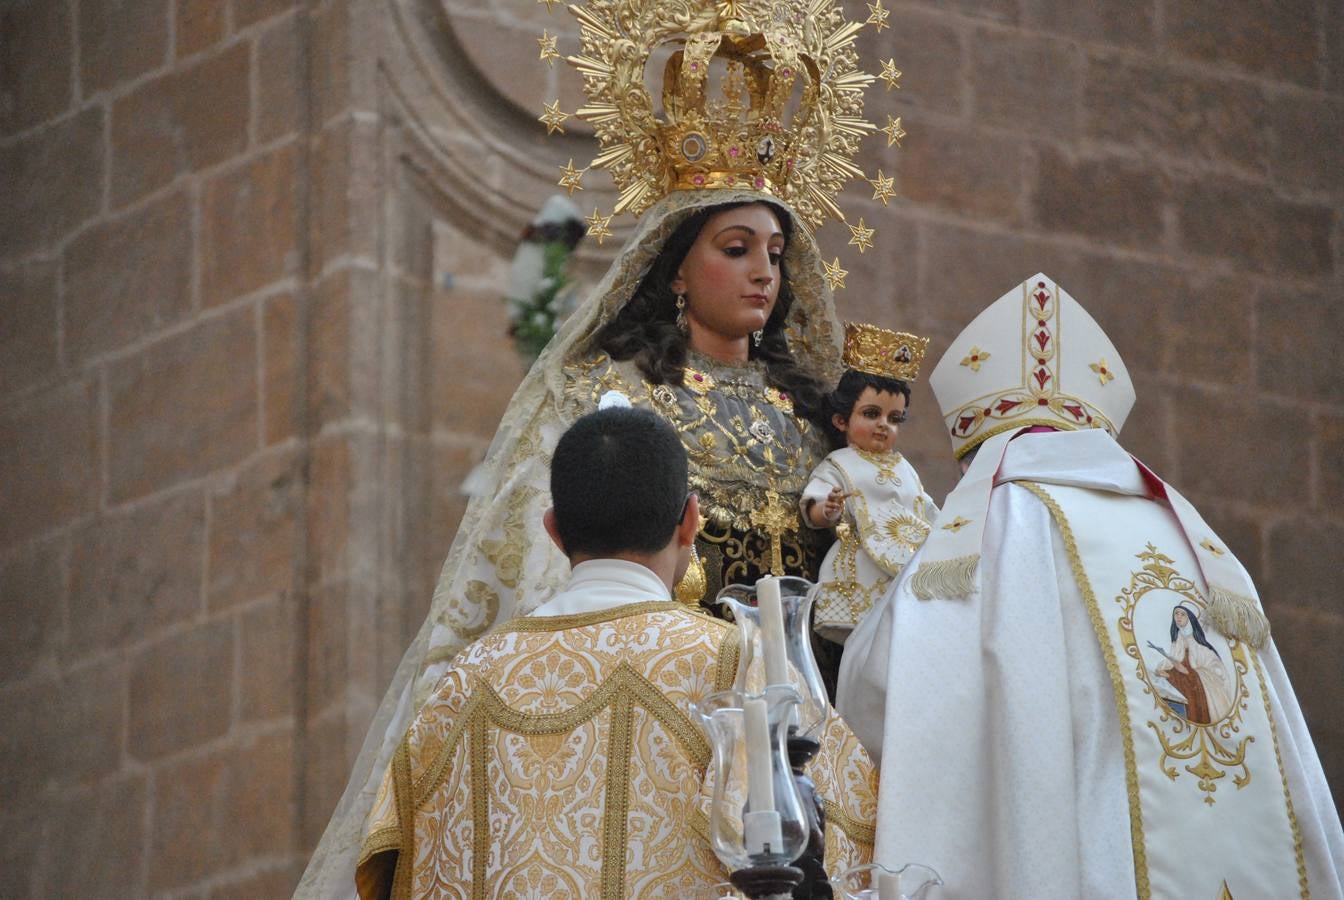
(753, 611)
(757, 818)
(877, 882)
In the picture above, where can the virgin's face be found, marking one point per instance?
(731, 274)
(1180, 618)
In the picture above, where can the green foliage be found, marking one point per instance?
(534, 320)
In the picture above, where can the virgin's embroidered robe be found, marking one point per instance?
(558, 758)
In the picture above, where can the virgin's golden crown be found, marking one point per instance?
(877, 351)
(785, 119)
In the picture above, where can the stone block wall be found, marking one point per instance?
(1170, 165)
(163, 174)
(251, 253)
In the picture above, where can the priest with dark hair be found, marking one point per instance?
(558, 756)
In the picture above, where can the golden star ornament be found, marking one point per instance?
(891, 75)
(599, 226)
(879, 16)
(884, 188)
(894, 131)
(571, 178)
(549, 4)
(834, 275)
(554, 119)
(861, 236)
(549, 51)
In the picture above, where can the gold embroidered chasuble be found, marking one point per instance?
(558, 757)
(749, 454)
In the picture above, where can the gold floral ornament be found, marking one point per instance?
(549, 51)
(571, 179)
(779, 399)
(834, 275)
(884, 188)
(599, 226)
(783, 114)
(973, 359)
(553, 118)
(890, 74)
(861, 236)
(1103, 374)
(956, 524)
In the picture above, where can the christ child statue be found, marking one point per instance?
(865, 488)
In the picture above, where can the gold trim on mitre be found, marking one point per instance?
(757, 94)
(1035, 352)
(878, 351)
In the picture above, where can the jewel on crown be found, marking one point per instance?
(756, 94)
(878, 351)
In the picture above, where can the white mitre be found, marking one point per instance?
(1034, 357)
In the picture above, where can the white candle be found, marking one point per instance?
(760, 787)
(773, 648)
(761, 827)
(889, 887)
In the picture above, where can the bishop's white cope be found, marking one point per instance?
(996, 723)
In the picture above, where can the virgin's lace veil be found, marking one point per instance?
(502, 564)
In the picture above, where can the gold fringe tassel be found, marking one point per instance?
(1237, 616)
(953, 578)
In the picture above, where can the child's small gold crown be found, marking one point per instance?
(877, 351)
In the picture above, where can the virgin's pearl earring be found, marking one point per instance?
(757, 335)
(681, 314)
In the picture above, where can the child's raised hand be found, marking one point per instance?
(835, 503)
(827, 513)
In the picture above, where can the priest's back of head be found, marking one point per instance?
(618, 483)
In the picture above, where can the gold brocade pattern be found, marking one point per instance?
(749, 454)
(558, 758)
(507, 553)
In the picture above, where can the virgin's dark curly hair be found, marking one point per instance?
(646, 331)
(840, 402)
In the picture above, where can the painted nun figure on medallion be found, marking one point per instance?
(1072, 688)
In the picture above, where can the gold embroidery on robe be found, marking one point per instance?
(557, 755)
